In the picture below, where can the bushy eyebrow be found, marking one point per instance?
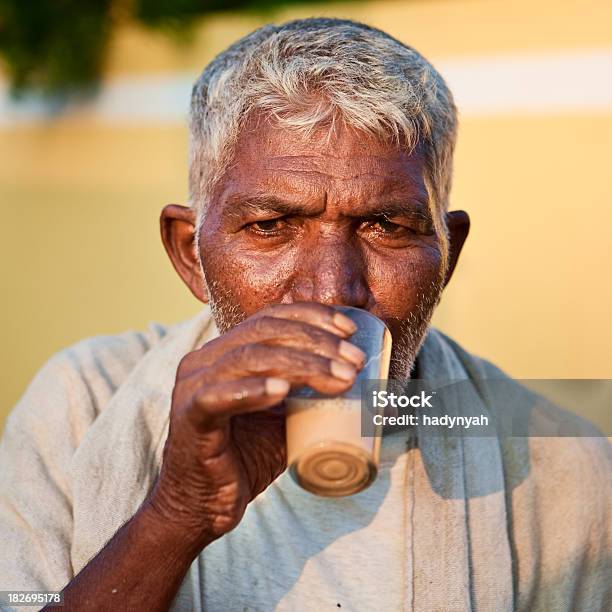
(239, 206)
(407, 208)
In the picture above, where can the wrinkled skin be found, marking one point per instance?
(295, 225)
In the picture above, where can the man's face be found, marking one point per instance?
(342, 220)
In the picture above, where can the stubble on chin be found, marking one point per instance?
(225, 311)
(410, 337)
(412, 333)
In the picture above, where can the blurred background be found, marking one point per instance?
(93, 142)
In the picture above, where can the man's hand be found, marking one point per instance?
(226, 441)
(225, 445)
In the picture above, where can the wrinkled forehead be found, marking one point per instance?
(343, 167)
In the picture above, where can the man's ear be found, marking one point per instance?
(458, 223)
(177, 224)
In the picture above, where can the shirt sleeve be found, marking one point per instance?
(40, 437)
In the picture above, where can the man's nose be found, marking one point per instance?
(332, 272)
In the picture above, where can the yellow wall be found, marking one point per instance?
(79, 198)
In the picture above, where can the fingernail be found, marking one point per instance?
(344, 323)
(343, 371)
(277, 386)
(351, 353)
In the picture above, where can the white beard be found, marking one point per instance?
(413, 332)
(406, 346)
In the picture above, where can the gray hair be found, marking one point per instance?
(310, 73)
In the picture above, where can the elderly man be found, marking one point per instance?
(147, 471)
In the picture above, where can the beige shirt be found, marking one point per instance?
(449, 524)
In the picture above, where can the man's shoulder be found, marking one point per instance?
(110, 357)
(552, 436)
(548, 404)
(76, 382)
(553, 445)
(103, 362)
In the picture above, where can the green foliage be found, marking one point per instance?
(59, 47)
(54, 45)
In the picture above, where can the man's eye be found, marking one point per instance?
(388, 227)
(269, 225)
